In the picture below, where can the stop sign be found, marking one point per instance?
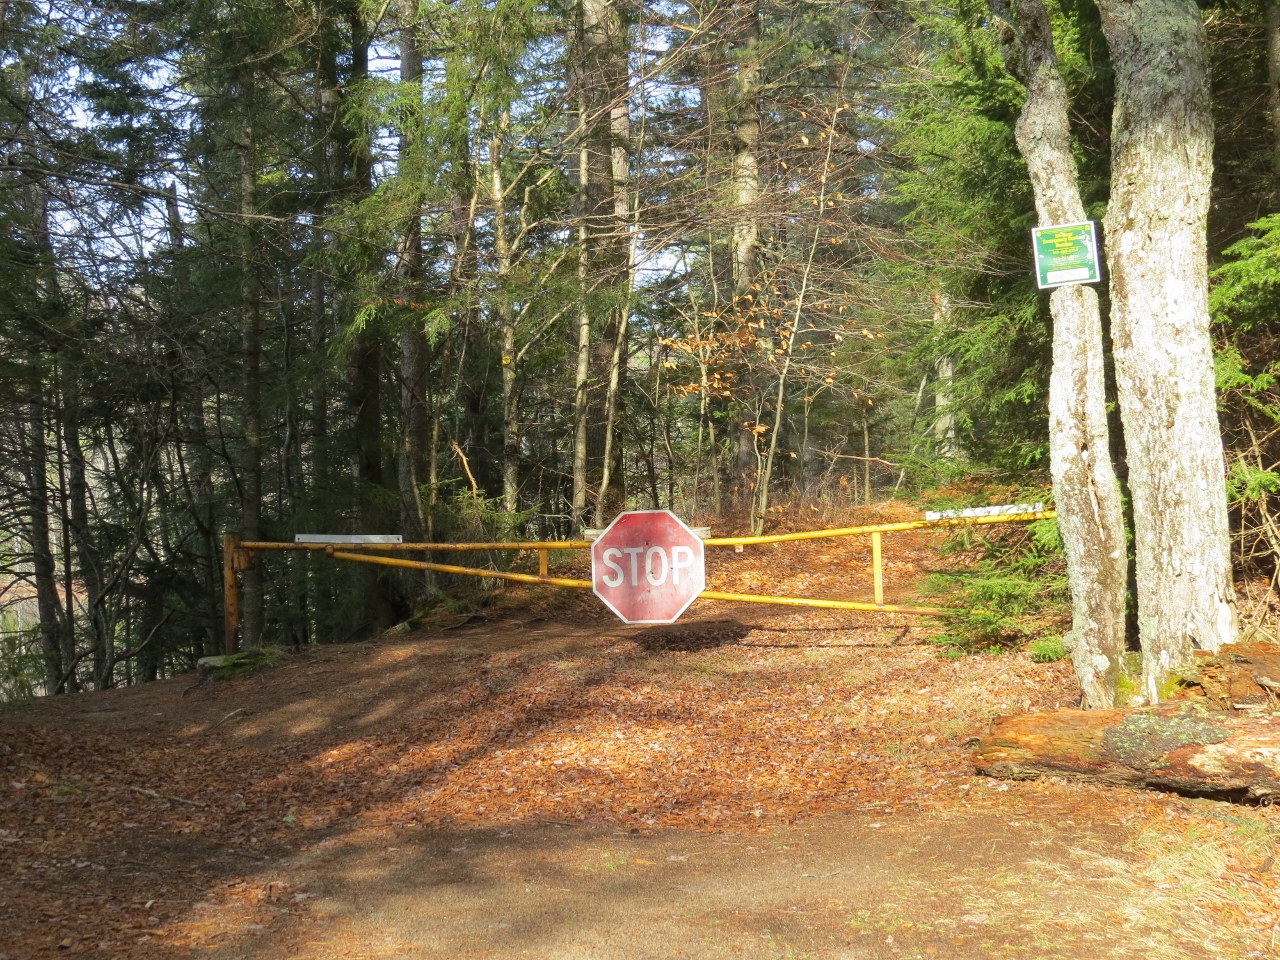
(648, 566)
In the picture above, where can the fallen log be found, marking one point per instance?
(1175, 747)
(1217, 738)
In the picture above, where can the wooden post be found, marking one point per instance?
(542, 563)
(230, 595)
(877, 569)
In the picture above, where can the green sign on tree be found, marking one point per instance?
(1065, 254)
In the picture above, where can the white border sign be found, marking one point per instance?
(1065, 254)
(648, 566)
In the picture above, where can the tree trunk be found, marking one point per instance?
(1170, 747)
(716, 502)
(582, 370)
(506, 313)
(867, 493)
(37, 467)
(69, 655)
(251, 580)
(706, 416)
(613, 498)
(196, 472)
(414, 349)
(75, 489)
(745, 240)
(944, 422)
(366, 387)
(581, 399)
(613, 491)
(604, 172)
(1162, 145)
(191, 452)
(324, 601)
(1273, 80)
(1085, 488)
(433, 473)
(366, 398)
(510, 416)
(414, 355)
(81, 536)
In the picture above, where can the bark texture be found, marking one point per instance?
(944, 423)
(746, 150)
(506, 313)
(1162, 144)
(1242, 675)
(251, 589)
(1085, 488)
(1169, 747)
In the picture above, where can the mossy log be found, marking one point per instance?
(234, 664)
(1178, 747)
(1216, 737)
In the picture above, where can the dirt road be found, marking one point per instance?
(966, 886)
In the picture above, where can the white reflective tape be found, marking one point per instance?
(1010, 509)
(348, 538)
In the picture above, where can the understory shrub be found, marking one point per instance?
(1008, 586)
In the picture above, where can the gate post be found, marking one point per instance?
(230, 595)
(877, 570)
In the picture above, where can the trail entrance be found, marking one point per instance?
(540, 780)
(373, 549)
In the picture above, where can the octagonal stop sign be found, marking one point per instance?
(648, 566)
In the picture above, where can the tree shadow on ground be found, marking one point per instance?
(691, 637)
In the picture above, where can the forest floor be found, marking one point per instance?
(543, 781)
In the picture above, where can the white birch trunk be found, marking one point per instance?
(1085, 488)
(1161, 164)
(582, 372)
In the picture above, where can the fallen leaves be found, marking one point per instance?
(750, 719)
